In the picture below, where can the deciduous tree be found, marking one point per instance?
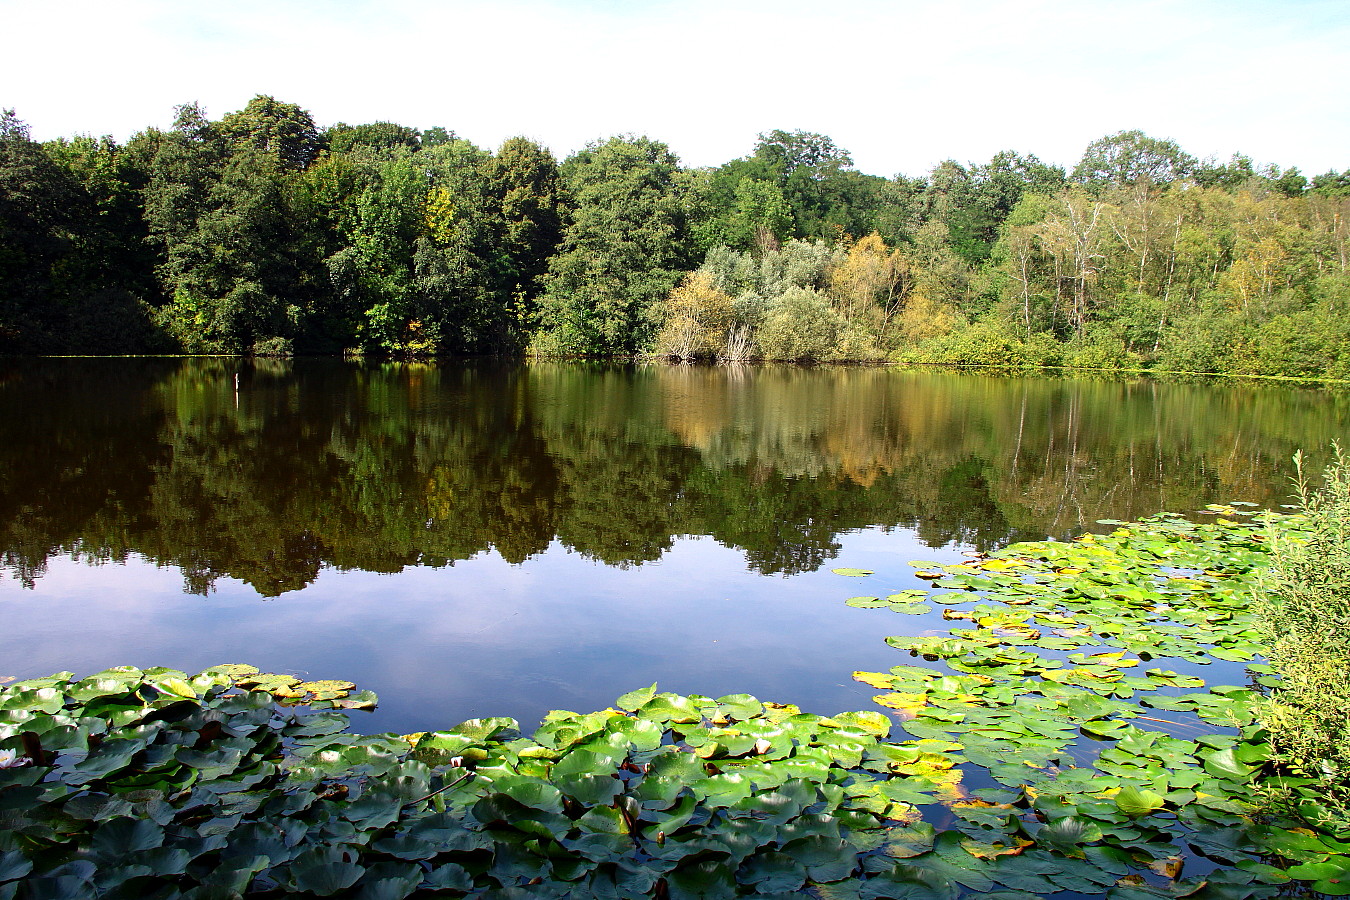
(1132, 160)
(623, 250)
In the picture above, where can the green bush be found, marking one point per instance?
(989, 344)
(1203, 342)
(1043, 348)
(1103, 348)
(1304, 344)
(800, 325)
(857, 345)
(234, 783)
(274, 346)
(1305, 613)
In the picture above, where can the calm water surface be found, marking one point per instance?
(503, 540)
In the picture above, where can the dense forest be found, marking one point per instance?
(262, 233)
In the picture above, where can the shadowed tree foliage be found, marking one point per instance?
(226, 232)
(75, 268)
(37, 214)
(282, 130)
(522, 183)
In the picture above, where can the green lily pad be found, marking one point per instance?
(323, 872)
(1136, 803)
(866, 602)
(633, 700)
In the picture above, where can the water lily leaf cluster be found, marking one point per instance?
(134, 783)
(1067, 627)
(153, 783)
(1056, 693)
(292, 690)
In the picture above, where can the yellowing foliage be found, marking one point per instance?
(871, 284)
(697, 319)
(924, 318)
(440, 218)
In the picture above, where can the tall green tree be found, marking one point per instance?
(419, 266)
(974, 201)
(623, 250)
(951, 198)
(235, 278)
(377, 138)
(39, 206)
(183, 165)
(1291, 182)
(760, 218)
(813, 173)
(283, 130)
(822, 196)
(456, 291)
(1132, 160)
(1239, 170)
(216, 206)
(1331, 184)
(108, 278)
(522, 182)
(373, 273)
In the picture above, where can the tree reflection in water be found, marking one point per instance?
(319, 463)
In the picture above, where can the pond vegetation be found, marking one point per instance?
(1047, 751)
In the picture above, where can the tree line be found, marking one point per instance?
(262, 233)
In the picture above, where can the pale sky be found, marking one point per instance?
(901, 84)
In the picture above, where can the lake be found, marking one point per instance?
(505, 539)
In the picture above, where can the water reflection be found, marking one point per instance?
(504, 540)
(322, 464)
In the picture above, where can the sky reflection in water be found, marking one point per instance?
(485, 637)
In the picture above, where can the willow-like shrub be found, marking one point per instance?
(1305, 612)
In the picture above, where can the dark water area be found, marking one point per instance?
(502, 539)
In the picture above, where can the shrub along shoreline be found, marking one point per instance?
(1051, 691)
